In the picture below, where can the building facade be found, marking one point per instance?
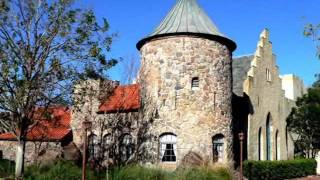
(191, 101)
(186, 75)
(268, 98)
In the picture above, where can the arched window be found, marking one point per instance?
(107, 140)
(127, 147)
(277, 145)
(168, 147)
(195, 83)
(218, 148)
(287, 140)
(107, 145)
(260, 144)
(93, 146)
(268, 137)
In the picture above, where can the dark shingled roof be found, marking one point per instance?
(187, 18)
(240, 67)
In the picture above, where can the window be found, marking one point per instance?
(107, 145)
(107, 140)
(195, 83)
(268, 137)
(93, 146)
(260, 144)
(168, 147)
(127, 147)
(287, 138)
(268, 75)
(218, 148)
(277, 145)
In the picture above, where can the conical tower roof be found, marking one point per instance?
(187, 18)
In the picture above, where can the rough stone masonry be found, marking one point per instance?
(195, 116)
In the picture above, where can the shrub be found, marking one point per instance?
(138, 172)
(6, 168)
(61, 169)
(58, 170)
(279, 169)
(143, 173)
(203, 173)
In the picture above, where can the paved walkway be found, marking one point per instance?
(308, 178)
(236, 177)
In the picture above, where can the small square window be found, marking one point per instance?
(195, 83)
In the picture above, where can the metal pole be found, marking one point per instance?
(86, 126)
(241, 137)
(84, 155)
(108, 164)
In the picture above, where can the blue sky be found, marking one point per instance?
(241, 20)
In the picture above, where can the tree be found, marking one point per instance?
(45, 47)
(313, 31)
(304, 121)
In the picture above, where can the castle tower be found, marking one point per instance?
(186, 83)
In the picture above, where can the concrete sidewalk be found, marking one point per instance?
(308, 178)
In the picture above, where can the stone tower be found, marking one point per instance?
(186, 82)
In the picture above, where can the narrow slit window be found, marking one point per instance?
(195, 83)
(268, 74)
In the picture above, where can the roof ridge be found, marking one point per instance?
(128, 85)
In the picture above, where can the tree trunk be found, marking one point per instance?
(19, 159)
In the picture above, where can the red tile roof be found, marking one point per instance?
(53, 128)
(123, 99)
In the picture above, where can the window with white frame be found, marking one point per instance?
(218, 148)
(168, 147)
(127, 147)
(195, 82)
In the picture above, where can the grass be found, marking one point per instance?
(142, 173)
(6, 168)
(60, 170)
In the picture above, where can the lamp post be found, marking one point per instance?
(241, 138)
(86, 125)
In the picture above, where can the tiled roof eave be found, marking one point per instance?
(42, 139)
(223, 40)
(119, 111)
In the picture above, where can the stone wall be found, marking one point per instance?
(293, 86)
(264, 87)
(194, 115)
(35, 151)
(86, 104)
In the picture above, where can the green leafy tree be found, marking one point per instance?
(304, 121)
(45, 47)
